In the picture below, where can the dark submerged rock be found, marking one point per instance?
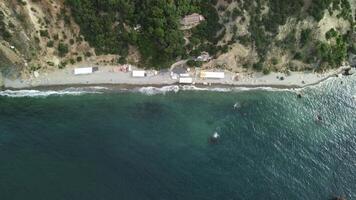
(214, 139)
(338, 198)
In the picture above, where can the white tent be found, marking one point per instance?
(184, 75)
(138, 73)
(85, 70)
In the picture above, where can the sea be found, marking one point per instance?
(154, 143)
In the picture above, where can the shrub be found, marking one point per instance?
(50, 43)
(274, 61)
(193, 63)
(66, 19)
(35, 67)
(6, 34)
(305, 36)
(266, 70)
(298, 56)
(122, 60)
(257, 66)
(37, 40)
(87, 54)
(79, 59)
(22, 2)
(330, 34)
(62, 65)
(235, 13)
(62, 49)
(56, 37)
(317, 8)
(50, 63)
(11, 25)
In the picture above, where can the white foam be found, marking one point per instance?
(157, 90)
(98, 88)
(194, 88)
(176, 88)
(39, 93)
(143, 90)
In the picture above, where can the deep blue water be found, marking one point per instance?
(132, 146)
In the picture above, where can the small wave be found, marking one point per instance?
(143, 90)
(98, 88)
(194, 88)
(176, 88)
(237, 89)
(157, 90)
(39, 93)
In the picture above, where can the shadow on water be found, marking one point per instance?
(149, 110)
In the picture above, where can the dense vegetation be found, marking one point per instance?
(152, 26)
(112, 26)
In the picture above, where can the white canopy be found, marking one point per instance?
(138, 73)
(84, 70)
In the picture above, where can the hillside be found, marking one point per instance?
(263, 35)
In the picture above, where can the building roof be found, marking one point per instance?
(138, 73)
(84, 70)
(192, 19)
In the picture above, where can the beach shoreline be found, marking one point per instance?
(106, 77)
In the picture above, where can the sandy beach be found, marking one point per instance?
(108, 75)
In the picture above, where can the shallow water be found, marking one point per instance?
(130, 145)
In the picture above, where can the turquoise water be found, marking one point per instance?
(128, 145)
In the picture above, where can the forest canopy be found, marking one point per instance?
(153, 26)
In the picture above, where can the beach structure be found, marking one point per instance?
(83, 70)
(138, 73)
(212, 75)
(174, 76)
(186, 80)
(184, 75)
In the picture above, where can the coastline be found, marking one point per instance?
(106, 76)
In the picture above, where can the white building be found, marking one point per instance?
(84, 70)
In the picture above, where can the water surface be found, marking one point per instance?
(128, 145)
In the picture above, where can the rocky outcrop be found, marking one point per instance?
(10, 62)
